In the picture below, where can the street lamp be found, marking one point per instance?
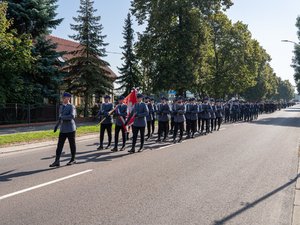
(291, 42)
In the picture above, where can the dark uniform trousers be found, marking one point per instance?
(191, 127)
(153, 125)
(163, 127)
(135, 131)
(102, 131)
(180, 127)
(149, 128)
(206, 123)
(199, 124)
(61, 141)
(218, 121)
(117, 131)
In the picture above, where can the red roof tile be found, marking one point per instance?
(69, 46)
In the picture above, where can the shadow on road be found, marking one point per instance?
(279, 121)
(250, 205)
(8, 176)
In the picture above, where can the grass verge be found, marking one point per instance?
(47, 135)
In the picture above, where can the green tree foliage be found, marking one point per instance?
(296, 60)
(285, 90)
(87, 72)
(15, 58)
(173, 31)
(36, 18)
(130, 74)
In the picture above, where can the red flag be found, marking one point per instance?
(130, 101)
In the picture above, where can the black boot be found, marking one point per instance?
(71, 162)
(115, 149)
(100, 147)
(123, 147)
(131, 151)
(55, 164)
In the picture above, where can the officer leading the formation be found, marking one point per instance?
(67, 125)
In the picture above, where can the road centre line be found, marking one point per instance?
(43, 185)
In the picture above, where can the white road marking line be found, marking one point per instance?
(43, 185)
(168, 146)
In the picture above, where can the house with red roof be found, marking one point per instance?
(69, 46)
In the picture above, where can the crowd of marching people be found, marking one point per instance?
(139, 115)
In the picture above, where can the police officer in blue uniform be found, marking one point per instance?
(212, 115)
(121, 114)
(191, 118)
(103, 113)
(219, 114)
(206, 110)
(154, 112)
(149, 117)
(179, 118)
(67, 126)
(163, 114)
(140, 112)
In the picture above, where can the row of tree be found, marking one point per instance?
(192, 45)
(188, 45)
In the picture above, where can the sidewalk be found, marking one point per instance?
(296, 212)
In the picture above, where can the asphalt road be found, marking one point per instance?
(243, 174)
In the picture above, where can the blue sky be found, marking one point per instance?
(270, 21)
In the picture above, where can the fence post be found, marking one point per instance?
(28, 114)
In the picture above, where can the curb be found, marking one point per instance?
(296, 209)
(27, 147)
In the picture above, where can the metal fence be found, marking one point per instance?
(24, 113)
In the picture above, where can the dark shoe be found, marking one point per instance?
(132, 151)
(100, 147)
(165, 139)
(107, 147)
(55, 164)
(123, 148)
(188, 137)
(174, 141)
(141, 149)
(115, 149)
(180, 140)
(72, 162)
(158, 140)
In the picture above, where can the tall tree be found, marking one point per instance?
(296, 59)
(15, 58)
(130, 74)
(173, 30)
(87, 72)
(36, 18)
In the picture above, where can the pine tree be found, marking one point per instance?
(87, 73)
(130, 75)
(34, 17)
(47, 71)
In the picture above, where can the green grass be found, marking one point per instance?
(31, 137)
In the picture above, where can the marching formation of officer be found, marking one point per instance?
(183, 116)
